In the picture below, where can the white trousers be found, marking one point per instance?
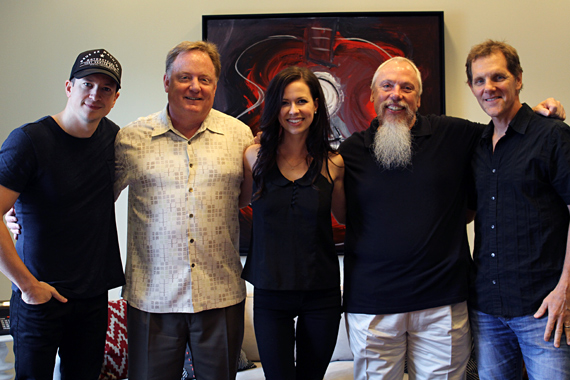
(437, 342)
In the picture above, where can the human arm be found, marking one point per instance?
(550, 108)
(249, 159)
(557, 303)
(33, 291)
(121, 171)
(336, 168)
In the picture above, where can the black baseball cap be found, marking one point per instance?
(98, 61)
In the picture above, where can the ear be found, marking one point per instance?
(166, 81)
(519, 83)
(316, 102)
(68, 88)
(115, 100)
(419, 102)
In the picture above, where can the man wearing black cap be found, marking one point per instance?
(59, 172)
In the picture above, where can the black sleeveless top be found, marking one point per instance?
(292, 245)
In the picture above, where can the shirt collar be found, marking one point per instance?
(166, 126)
(280, 180)
(519, 124)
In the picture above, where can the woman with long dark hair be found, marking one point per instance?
(297, 179)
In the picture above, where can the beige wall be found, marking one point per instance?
(40, 39)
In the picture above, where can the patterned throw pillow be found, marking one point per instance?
(115, 364)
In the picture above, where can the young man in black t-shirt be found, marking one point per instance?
(59, 173)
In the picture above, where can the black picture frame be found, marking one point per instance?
(342, 49)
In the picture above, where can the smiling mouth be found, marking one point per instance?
(294, 121)
(492, 99)
(191, 98)
(394, 107)
(93, 106)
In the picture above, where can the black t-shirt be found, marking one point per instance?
(406, 244)
(66, 205)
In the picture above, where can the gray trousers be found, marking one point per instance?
(157, 343)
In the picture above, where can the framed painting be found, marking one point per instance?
(342, 49)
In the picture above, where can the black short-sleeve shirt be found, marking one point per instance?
(66, 205)
(406, 244)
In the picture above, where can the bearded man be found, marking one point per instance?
(407, 258)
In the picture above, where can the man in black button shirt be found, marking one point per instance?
(521, 292)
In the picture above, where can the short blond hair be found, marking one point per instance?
(207, 47)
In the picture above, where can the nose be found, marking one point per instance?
(293, 109)
(194, 85)
(396, 93)
(489, 85)
(95, 92)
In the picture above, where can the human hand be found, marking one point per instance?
(257, 138)
(557, 303)
(551, 108)
(41, 293)
(12, 223)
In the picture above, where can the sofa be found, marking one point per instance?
(116, 364)
(341, 366)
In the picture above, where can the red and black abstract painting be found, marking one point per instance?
(342, 49)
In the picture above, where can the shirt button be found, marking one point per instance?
(191, 165)
(493, 254)
(494, 282)
(193, 265)
(493, 227)
(493, 198)
(493, 170)
(190, 215)
(191, 189)
(191, 240)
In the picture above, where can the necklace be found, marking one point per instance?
(291, 165)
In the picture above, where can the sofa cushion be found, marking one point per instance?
(342, 348)
(115, 363)
(249, 344)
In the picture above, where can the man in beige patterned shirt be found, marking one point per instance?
(184, 169)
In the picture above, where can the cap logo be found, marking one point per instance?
(102, 59)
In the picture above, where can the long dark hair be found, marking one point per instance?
(318, 145)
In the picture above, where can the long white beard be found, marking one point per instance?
(392, 146)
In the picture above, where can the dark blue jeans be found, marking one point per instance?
(501, 344)
(77, 328)
(318, 317)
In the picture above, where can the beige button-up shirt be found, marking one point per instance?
(183, 230)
